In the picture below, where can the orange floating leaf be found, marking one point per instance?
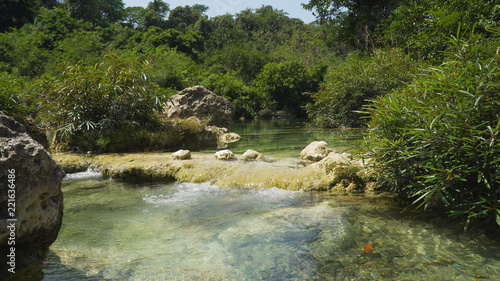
(368, 247)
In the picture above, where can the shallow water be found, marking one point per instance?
(115, 230)
(287, 138)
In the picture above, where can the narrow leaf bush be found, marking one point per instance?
(89, 100)
(436, 141)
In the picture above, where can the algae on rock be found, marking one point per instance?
(282, 173)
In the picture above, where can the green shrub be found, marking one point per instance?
(101, 98)
(436, 141)
(422, 26)
(16, 96)
(285, 84)
(348, 86)
(244, 98)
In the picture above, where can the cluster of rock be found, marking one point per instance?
(344, 171)
(226, 154)
(347, 174)
(35, 178)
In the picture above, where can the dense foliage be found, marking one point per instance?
(99, 72)
(349, 84)
(422, 26)
(436, 141)
(96, 99)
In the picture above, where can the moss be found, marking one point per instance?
(73, 163)
(205, 168)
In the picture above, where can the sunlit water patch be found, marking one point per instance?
(116, 230)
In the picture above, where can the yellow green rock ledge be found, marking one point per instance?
(287, 173)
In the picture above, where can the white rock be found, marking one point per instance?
(224, 155)
(315, 151)
(181, 155)
(251, 155)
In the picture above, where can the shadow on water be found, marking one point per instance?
(50, 269)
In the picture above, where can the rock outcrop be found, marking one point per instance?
(315, 151)
(202, 103)
(35, 178)
(251, 155)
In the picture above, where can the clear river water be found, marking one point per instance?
(121, 230)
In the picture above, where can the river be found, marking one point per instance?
(122, 230)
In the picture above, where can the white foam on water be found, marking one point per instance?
(90, 173)
(184, 193)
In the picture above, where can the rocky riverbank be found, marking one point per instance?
(333, 172)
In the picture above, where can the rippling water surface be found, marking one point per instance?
(287, 138)
(115, 230)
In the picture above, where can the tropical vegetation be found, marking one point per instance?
(421, 76)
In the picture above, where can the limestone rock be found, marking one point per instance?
(251, 155)
(315, 151)
(182, 155)
(202, 103)
(229, 138)
(225, 155)
(38, 195)
(334, 158)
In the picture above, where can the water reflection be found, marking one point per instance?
(287, 138)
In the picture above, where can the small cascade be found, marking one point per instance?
(92, 172)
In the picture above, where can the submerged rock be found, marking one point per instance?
(202, 103)
(225, 155)
(315, 151)
(181, 155)
(251, 155)
(32, 178)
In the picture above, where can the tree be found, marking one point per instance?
(349, 86)
(100, 12)
(155, 14)
(134, 16)
(16, 13)
(357, 19)
(285, 84)
(423, 26)
(181, 18)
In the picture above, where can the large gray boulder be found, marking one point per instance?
(31, 179)
(202, 103)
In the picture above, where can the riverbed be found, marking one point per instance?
(118, 230)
